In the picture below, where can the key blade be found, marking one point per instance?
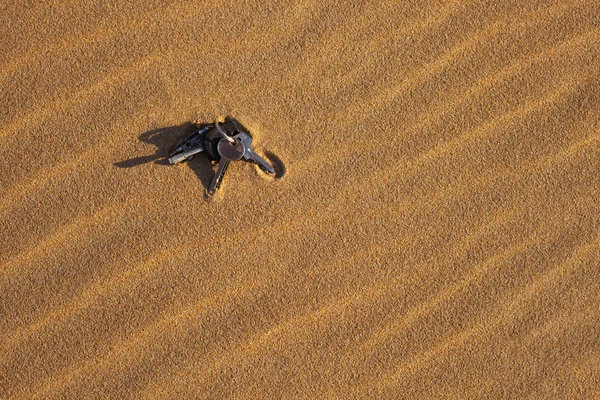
(218, 178)
(177, 158)
(251, 155)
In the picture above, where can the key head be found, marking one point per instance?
(231, 151)
(212, 138)
(245, 138)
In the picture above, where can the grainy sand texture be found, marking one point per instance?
(432, 232)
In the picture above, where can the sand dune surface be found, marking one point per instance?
(432, 229)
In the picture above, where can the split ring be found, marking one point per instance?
(225, 136)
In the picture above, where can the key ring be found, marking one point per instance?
(225, 136)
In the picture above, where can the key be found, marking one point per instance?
(250, 155)
(186, 155)
(228, 152)
(192, 145)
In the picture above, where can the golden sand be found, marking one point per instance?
(432, 231)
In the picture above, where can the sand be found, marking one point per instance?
(432, 230)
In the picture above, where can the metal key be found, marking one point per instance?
(186, 155)
(229, 152)
(192, 145)
(250, 155)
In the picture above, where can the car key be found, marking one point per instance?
(192, 145)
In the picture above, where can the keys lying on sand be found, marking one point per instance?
(222, 142)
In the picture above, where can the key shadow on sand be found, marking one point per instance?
(166, 140)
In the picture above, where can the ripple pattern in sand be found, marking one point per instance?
(435, 234)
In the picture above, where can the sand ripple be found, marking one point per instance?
(434, 234)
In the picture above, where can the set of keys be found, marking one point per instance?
(223, 142)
